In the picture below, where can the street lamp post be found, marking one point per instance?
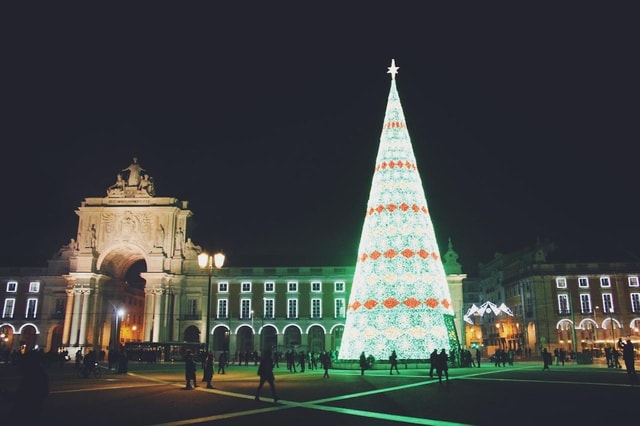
(209, 262)
(613, 329)
(253, 334)
(595, 319)
(574, 336)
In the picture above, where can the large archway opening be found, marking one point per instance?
(122, 297)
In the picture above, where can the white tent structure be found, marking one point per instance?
(485, 308)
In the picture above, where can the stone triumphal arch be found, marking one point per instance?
(128, 226)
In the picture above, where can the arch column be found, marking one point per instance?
(280, 339)
(232, 345)
(152, 314)
(328, 339)
(159, 308)
(84, 316)
(75, 317)
(304, 339)
(67, 317)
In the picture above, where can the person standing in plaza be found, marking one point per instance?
(562, 356)
(433, 360)
(222, 362)
(302, 359)
(546, 359)
(363, 363)
(478, 357)
(265, 371)
(190, 371)
(615, 355)
(607, 356)
(442, 365)
(628, 356)
(393, 360)
(325, 360)
(207, 375)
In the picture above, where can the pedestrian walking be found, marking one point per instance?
(276, 358)
(615, 356)
(222, 362)
(79, 359)
(325, 360)
(302, 361)
(393, 361)
(265, 371)
(478, 356)
(433, 360)
(363, 363)
(207, 375)
(607, 356)
(442, 365)
(546, 359)
(190, 371)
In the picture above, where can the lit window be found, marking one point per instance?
(245, 287)
(32, 308)
(192, 307)
(561, 282)
(339, 286)
(245, 309)
(292, 308)
(635, 302)
(9, 305)
(339, 308)
(605, 282)
(607, 301)
(583, 282)
(269, 287)
(633, 282)
(223, 308)
(34, 286)
(316, 308)
(292, 287)
(223, 287)
(315, 286)
(269, 308)
(12, 286)
(585, 304)
(563, 304)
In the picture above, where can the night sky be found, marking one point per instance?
(266, 117)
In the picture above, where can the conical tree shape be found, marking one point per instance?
(400, 296)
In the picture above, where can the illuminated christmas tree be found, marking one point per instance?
(400, 296)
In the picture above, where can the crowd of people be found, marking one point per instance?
(33, 389)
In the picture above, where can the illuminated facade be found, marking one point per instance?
(133, 252)
(578, 306)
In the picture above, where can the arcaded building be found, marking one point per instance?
(88, 298)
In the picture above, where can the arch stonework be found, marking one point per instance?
(133, 253)
(127, 226)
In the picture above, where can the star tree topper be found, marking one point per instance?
(393, 70)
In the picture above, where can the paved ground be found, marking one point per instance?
(522, 394)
